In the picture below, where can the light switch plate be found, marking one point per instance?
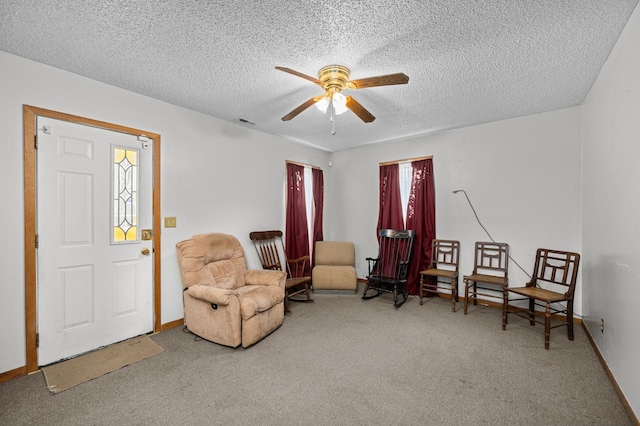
(170, 222)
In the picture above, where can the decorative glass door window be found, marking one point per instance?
(125, 195)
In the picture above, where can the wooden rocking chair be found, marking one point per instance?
(388, 271)
(269, 246)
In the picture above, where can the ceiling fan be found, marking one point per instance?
(335, 78)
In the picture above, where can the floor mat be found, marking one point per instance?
(72, 372)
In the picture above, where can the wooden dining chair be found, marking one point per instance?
(442, 270)
(551, 287)
(490, 276)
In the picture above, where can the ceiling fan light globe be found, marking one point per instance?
(323, 104)
(339, 103)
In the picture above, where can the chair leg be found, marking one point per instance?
(405, 294)
(505, 308)
(421, 287)
(454, 294)
(378, 292)
(570, 319)
(308, 292)
(474, 293)
(466, 295)
(547, 325)
(364, 291)
(395, 295)
(532, 312)
(287, 310)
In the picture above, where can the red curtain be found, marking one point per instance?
(318, 203)
(390, 213)
(297, 231)
(421, 217)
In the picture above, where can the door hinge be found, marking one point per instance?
(37, 340)
(37, 241)
(35, 141)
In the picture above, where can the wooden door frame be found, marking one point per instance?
(30, 216)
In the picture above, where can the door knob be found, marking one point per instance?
(145, 251)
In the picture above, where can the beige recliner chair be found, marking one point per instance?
(334, 270)
(223, 301)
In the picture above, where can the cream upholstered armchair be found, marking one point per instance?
(223, 301)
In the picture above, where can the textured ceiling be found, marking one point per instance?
(468, 62)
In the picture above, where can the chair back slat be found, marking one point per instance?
(556, 267)
(394, 254)
(491, 258)
(445, 254)
(273, 255)
(266, 243)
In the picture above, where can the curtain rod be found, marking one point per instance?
(386, 163)
(303, 165)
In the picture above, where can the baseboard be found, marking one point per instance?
(612, 379)
(172, 324)
(12, 374)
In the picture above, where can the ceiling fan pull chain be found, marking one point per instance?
(332, 117)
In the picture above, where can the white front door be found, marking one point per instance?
(95, 272)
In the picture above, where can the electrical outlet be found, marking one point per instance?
(602, 325)
(170, 222)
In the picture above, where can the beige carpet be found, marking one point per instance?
(70, 373)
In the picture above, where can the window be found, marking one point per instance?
(308, 189)
(406, 174)
(125, 195)
(305, 193)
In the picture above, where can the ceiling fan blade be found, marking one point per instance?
(299, 74)
(381, 80)
(301, 108)
(359, 110)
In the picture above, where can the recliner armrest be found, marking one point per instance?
(265, 277)
(211, 294)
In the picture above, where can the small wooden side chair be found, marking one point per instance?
(269, 246)
(553, 281)
(490, 273)
(443, 268)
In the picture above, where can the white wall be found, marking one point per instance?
(522, 176)
(203, 184)
(611, 210)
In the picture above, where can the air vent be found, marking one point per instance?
(245, 121)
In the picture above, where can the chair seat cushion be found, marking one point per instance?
(255, 299)
(326, 277)
(445, 273)
(539, 293)
(488, 279)
(297, 281)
